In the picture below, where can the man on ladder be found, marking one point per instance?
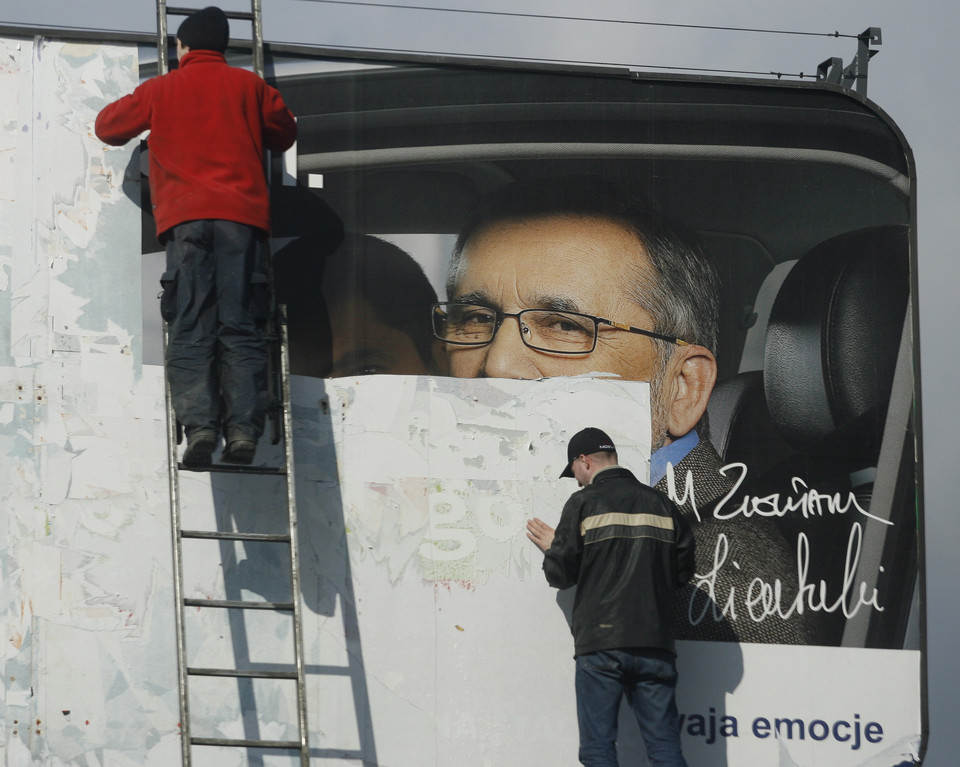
(209, 124)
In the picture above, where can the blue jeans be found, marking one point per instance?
(648, 677)
(214, 301)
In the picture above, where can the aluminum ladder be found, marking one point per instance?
(281, 418)
(255, 17)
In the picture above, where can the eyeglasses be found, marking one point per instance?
(545, 330)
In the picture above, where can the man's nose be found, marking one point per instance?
(507, 355)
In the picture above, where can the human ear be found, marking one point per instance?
(691, 374)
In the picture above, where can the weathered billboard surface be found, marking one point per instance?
(784, 425)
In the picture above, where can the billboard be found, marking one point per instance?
(432, 199)
(767, 228)
(467, 254)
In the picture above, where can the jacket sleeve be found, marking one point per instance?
(279, 124)
(685, 547)
(561, 562)
(125, 118)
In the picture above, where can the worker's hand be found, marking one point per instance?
(540, 533)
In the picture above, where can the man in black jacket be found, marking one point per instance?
(627, 548)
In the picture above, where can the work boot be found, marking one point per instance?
(200, 447)
(239, 451)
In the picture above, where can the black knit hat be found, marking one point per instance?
(586, 442)
(206, 30)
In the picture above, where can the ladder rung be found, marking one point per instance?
(217, 535)
(238, 604)
(181, 11)
(340, 753)
(245, 743)
(226, 468)
(242, 673)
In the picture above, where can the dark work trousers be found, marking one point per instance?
(214, 300)
(648, 677)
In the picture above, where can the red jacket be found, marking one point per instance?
(209, 123)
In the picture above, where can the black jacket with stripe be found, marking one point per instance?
(627, 548)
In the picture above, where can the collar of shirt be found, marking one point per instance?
(673, 453)
(201, 56)
(605, 468)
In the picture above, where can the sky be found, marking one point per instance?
(911, 79)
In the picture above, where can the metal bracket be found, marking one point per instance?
(833, 71)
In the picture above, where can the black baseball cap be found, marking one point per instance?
(585, 442)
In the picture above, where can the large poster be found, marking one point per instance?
(744, 248)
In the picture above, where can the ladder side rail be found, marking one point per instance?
(257, 38)
(163, 56)
(175, 526)
(294, 546)
(271, 330)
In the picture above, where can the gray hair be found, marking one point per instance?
(681, 292)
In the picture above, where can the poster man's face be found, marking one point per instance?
(573, 263)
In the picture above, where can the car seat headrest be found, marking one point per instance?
(833, 339)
